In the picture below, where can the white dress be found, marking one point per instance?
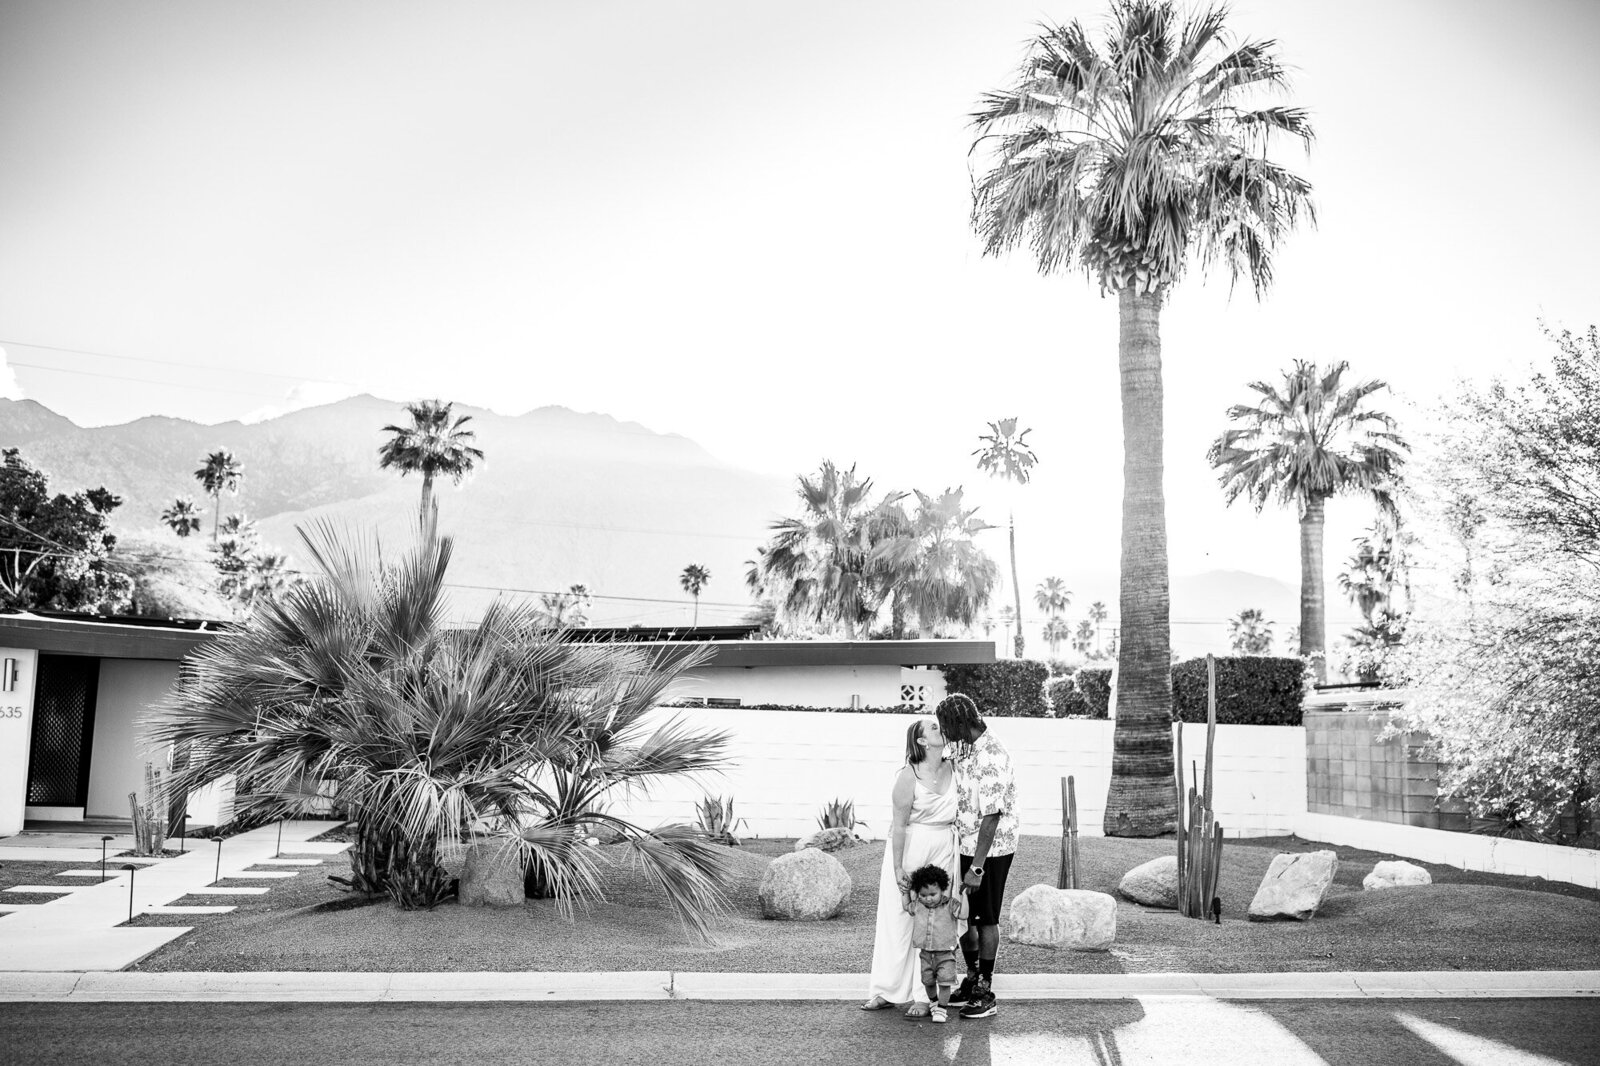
(930, 838)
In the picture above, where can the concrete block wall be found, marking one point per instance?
(1352, 773)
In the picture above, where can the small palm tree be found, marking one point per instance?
(569, 609)
(1005, 454)
(1127, 161)
(1052, 596)
(1301, 444)
(436, 733)
(1083, 638)
(182, 517)
(817, 568)
(1097, 615)
(693, 579)
(1055, 632)
(1249, 633)
(433, 444)
(219, 473)
(932, 563)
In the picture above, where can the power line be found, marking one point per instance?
(147, 359)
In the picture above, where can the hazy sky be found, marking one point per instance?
(748, 223)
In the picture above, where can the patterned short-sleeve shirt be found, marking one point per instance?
(987, 786)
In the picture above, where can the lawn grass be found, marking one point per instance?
(1465, 920)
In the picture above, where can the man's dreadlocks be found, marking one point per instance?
(958, 716)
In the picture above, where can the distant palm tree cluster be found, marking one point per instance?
(245, 573)
(847, 558)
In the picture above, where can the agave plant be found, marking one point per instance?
(839, 814)
(716, 819)
(437, 734)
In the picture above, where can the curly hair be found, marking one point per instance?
(923, 876)
(958, 716)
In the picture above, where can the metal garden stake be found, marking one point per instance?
(103, 842)
(131, 868)
(218, 875)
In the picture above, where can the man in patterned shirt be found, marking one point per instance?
(987, 819)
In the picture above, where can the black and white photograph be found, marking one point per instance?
(866, 531)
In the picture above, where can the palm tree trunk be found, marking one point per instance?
(696, 621)
(216, 515)
(427, 494)
(1313, 605)
(1142, 800)
(1016, 586)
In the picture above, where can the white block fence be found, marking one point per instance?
(785, 765)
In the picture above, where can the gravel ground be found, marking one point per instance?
(1464, 921)
(43, 873)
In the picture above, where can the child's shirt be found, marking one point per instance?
(935, 928)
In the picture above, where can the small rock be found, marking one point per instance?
(1071, 918)
(805, 885)
(834, 839)
(1294, 886)
(1395, 874)
(490, 875)
(1155, 883)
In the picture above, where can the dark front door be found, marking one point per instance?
(63, 730)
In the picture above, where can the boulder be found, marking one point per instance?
(833, 839)
(1155, 883)
(1070, 918)
(806, 885)
(1395, 874)
(1294, 886)
(488, 872)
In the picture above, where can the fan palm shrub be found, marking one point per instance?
(437, 734)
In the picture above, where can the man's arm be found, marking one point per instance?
(986, 829)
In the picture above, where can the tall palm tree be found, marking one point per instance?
(435, 732)
(433, 444)
(693, 579)
(1125, 162)
(818, 566)
(1052, 596)
(934, 568)
(219, 473)
(1249, 633)
(1097, 615)
(1005, 454)
(183, 518)
(1302, 444)
(1008, 617)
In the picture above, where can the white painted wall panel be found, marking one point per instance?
(786, 764)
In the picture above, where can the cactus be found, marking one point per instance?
(840, 814)
(150, 817)
(1067, 870)
(716, 820)
(1199, 833)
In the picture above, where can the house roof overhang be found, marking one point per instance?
(175, 640)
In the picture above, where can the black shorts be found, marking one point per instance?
(985, 900)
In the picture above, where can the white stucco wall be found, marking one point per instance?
(784, 765)
(815, 686)
(128, 688)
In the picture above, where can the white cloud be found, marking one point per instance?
(305, 394)
(10, 388)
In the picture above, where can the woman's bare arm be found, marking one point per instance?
(904, 790)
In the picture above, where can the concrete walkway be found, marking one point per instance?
(82, 930)
(664, 985)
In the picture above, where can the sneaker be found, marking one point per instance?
(982, 1004)
(938, 1014)
(963, 992)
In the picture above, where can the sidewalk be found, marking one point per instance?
(81, 931)
(100, 987)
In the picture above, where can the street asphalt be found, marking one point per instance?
(1190, 1031)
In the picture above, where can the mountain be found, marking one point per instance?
(562, 496)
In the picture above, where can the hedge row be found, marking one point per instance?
(1251, 690)
(1006, 688)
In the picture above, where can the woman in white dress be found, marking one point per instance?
(923, 831)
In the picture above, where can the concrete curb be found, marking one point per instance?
(479, 987)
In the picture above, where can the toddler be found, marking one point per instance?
(935, 930)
